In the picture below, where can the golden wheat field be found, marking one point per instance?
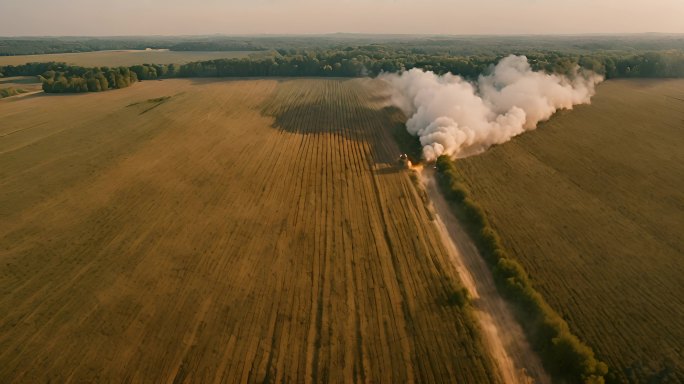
(221, 231)
(591, 203)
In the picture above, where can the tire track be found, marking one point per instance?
(506, 341)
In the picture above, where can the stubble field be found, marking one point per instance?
(592, 205)
(221, 231)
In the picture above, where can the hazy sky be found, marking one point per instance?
(174, 17)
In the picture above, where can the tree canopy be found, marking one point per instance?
(366, 60)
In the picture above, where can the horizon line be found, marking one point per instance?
(370, 34)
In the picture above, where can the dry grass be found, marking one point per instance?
(591, 204)
(122, 58)
(239, 231)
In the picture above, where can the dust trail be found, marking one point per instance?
(502, 333)
(454, 117)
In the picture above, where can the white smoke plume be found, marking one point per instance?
(454, 117)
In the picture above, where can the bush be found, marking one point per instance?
(10, 91)
(458, 298)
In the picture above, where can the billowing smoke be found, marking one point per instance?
(454, 117)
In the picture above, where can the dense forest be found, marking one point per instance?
(419, 44)
(373, 60)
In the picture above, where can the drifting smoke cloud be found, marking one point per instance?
(454, 117)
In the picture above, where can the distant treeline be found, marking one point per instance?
(143, 71)
(63, 78)
(373, 60)
(34, 46)
(220, 45)
(419, 44)
(565, 356)
(347, 62)
(154, 71)
(649, 64)
(29, 69)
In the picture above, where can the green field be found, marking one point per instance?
(592, 205)
(122, 58)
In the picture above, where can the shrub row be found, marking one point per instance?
(10, 91)
(563, 354)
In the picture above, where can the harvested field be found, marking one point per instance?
(221, 231)
(592, 205)
(124, 58)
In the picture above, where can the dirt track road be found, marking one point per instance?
(503, 335)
